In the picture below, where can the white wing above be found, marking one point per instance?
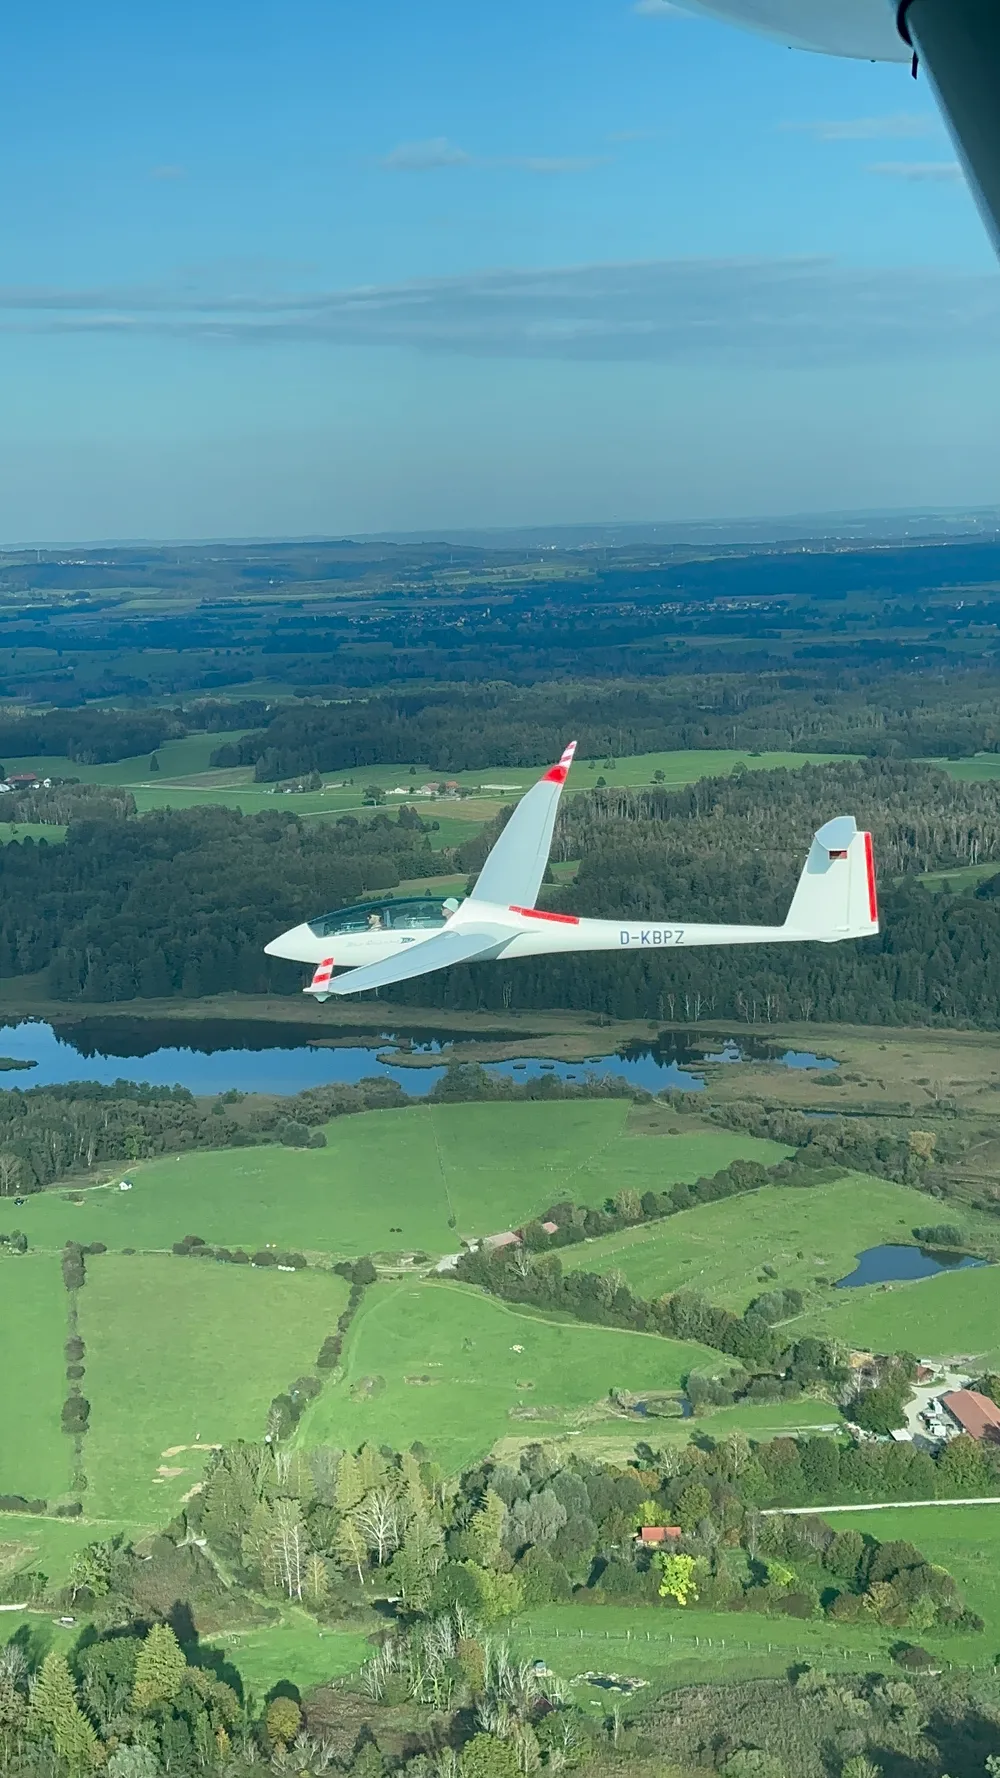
(439, 952)
(513, 872)
(863, 29)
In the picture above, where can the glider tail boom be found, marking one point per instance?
(836, 896)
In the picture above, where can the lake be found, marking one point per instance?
(215, 1055)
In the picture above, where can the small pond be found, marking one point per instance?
(892, 1264)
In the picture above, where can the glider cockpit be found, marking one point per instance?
(410, 913)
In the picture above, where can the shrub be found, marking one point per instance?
(911, 1656)
(75, 1414)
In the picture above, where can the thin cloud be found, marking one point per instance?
(438, 152)
(556, 164)
(898, 126)
(168, 172)
(425, 157)
(658, 9)
(918, 172)
(809, 313)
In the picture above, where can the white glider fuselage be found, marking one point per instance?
(380, 942)
(530, 932)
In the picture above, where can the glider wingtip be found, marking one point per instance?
(559, 773)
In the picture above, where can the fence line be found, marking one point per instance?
(733, 1643)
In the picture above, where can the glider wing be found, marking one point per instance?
(439, 952)
(513, 872)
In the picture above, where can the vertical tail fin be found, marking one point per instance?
(320, 984)
(836, 896)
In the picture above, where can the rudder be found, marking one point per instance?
(836, 897)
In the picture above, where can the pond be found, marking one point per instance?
(891, 1264)
(216, 1055)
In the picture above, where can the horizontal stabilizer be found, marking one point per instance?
(513, 872)
(439, 952)
(836, 895)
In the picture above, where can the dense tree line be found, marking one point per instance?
(183, 901)
(500, 725)
(92, 737)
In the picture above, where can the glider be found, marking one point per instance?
(381, 942)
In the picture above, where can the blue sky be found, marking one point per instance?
(300, 267)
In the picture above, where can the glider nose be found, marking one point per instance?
(298, 944)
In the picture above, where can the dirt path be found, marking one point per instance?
(875, 1506)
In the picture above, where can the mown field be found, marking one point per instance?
(35, 1455)
(441, 1363)
(182, 1353)
(417, 1179)
(802, 1234)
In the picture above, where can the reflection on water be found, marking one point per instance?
(215, 1055)
(890, 1264)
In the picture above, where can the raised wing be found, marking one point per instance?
(439, 952)
(513, 872)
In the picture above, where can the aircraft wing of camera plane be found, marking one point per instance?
(381, 942)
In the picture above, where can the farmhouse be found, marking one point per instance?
(974, 1413)
(655, 1536)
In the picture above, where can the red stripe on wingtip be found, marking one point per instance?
(872, 893)
(558, 775)
(538, 914)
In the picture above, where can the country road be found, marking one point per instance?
(875, 1506)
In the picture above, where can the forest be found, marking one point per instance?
(182, 902)
(455, 1563)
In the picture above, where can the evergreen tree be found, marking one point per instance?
(159, 1669)
(54, 1716)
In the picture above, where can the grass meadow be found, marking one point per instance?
(439, 1362)
(35, 1454)
(956, 1314)
(186, 780)
(802, 1233)
(181, 1353)
(435, 1172)
(963, 1539)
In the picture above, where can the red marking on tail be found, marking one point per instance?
(537, 914)
(870, 865)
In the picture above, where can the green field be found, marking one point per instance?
(686, 1647)
(297, 1650)
(183, 1352)
(186, 780)
(980, 769)
(803, 1233)
(35, 1454)
(955, 1314)
(436, 1361)
(437, 1172)
(50, 1544)
(963, 1539)
(13, 832)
